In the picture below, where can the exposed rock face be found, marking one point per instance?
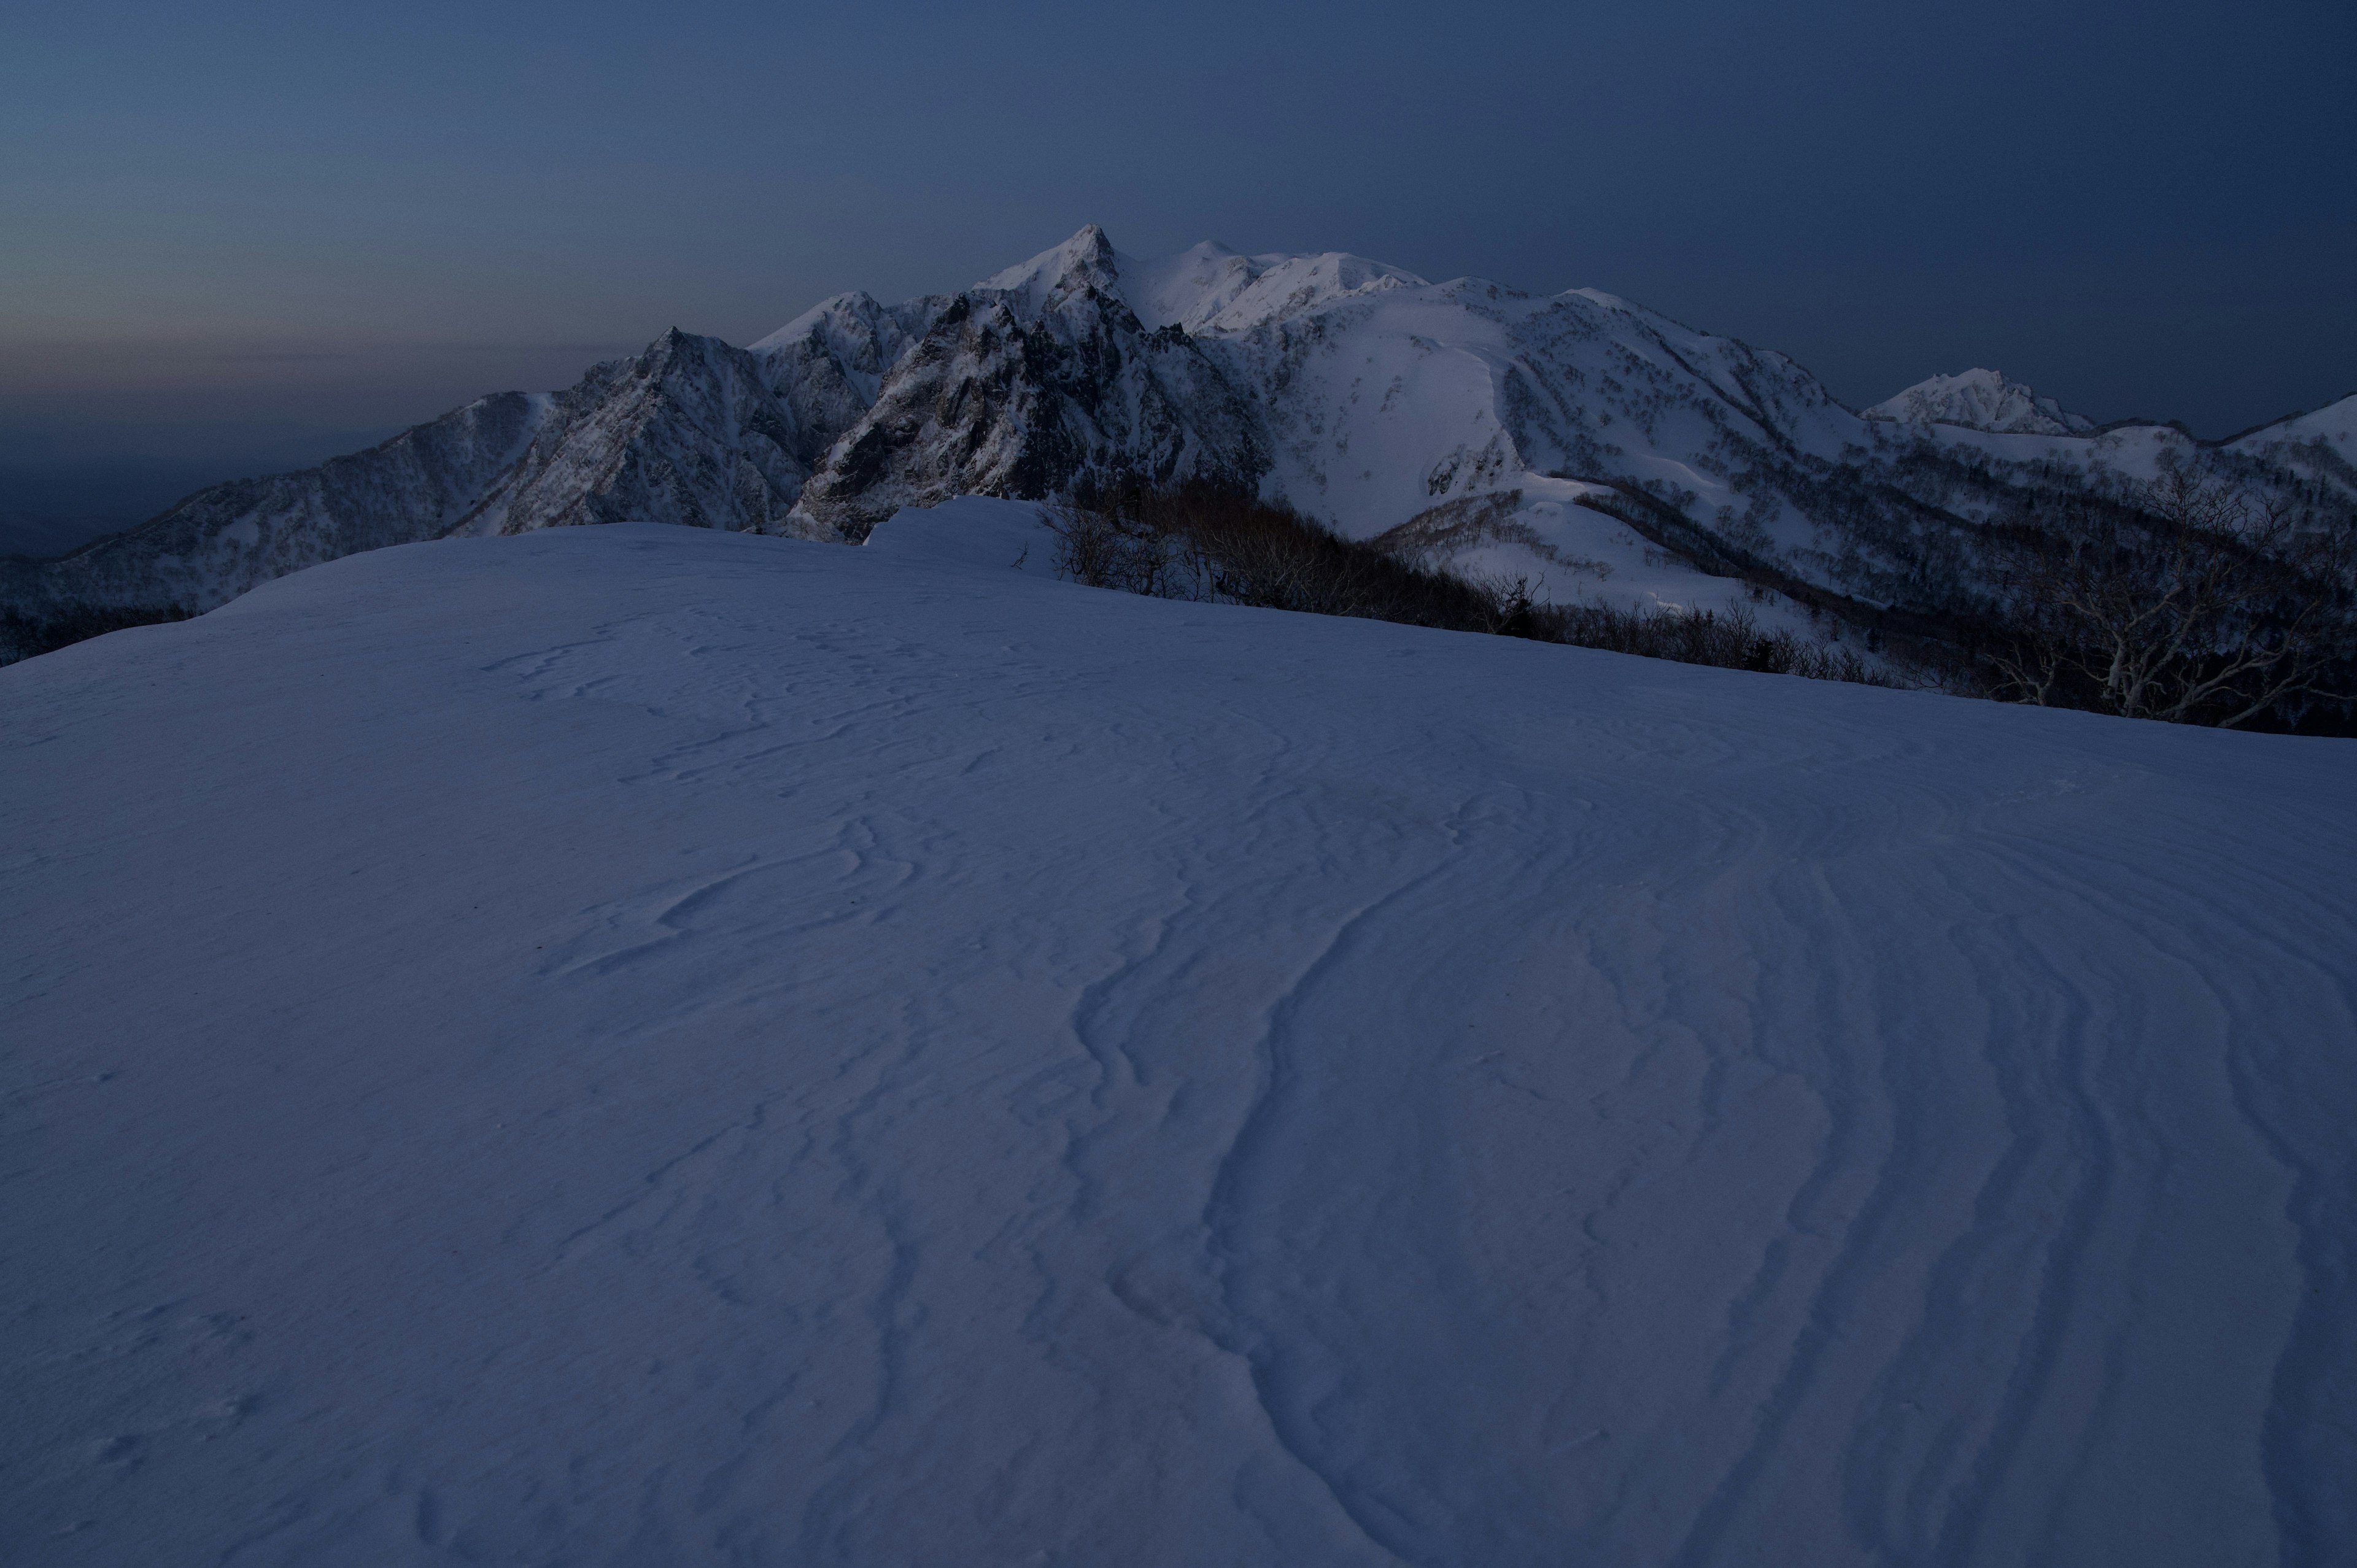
(1981, 400)
(827, 365)
(1035, 379)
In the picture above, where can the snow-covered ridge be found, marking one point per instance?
(2335, 423)
(643, 1044)
(1212, 289)
(1981, 400)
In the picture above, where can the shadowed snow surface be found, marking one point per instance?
(642, 1045)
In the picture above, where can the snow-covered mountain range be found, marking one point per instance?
(1599, 448)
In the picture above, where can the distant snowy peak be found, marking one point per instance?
(1981, 400)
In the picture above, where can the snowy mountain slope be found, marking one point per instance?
(1981, 399)
(227, 539)
(1358, 392)
(642, 1045)
(2335, 423)
(2322, 446)
(687, 432)
(1413, 398)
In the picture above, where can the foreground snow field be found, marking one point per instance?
(639, 1046)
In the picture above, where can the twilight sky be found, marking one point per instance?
(241, 236)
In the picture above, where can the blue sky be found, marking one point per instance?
(242, 233)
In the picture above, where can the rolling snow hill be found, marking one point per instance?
(635, 1045)
(1597, 448)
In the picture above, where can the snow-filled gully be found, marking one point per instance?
(632, 1046)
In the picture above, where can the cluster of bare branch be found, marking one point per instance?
(2189, 598)
(1728, 640)
(1203, 542)
(1206, 544)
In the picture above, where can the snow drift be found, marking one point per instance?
(637, 1045)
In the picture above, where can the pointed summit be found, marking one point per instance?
(1085, 260)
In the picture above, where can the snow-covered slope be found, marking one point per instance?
(1981, 400)
(2322, 446)
(637, 1045)
(2335, 425)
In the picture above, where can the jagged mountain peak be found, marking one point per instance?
(1980, 399)
(1082, 263)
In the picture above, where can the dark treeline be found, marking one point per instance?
(24, 634)
(1208, 544)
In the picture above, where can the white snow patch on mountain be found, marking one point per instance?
(1981, 399)
(641, 1044)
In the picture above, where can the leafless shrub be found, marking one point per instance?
(1727, 640)
(2188, 599)
(1203, 542)
(1097, 543)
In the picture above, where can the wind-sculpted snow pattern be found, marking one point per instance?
(646, 1046)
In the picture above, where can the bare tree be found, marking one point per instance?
(1099, 542)
(2187, 598)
